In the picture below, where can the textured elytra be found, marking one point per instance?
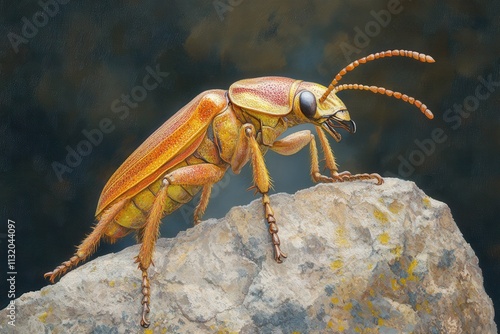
(171, 143)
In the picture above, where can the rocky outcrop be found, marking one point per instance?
(361, 259)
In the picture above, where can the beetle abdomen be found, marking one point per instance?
(133, 216)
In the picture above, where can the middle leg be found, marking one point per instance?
(248, 148)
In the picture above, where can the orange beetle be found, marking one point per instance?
(218, 130)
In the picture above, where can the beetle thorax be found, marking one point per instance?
(267, 127)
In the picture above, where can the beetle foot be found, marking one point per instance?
(374, 176)
(62, 269)
(144, 319)
(273, 229)
(278, 254)
(336, 177)
(145, 299)
(317, 177)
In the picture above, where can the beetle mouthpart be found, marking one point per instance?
(349, 126)
(332, 123)
(389, 53)
(331, 131)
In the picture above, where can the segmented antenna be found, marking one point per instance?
(390, 53)
(397, 95)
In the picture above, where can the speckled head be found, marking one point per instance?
(329, 114)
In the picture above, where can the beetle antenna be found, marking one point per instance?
(397, 95)
(390, 53)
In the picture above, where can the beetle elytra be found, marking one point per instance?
(218, 130)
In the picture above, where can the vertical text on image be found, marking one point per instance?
(11, 271)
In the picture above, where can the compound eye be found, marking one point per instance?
(307, 103)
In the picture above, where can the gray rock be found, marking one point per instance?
(361, 258)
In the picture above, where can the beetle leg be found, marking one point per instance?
(242, 151)
(273, 228)
(200, 208)
(374, 176)
(205, 174)
(149, 236)
(294, 143)
(262, 182)
(332, 166)
(201, 174)
(328, 153)
(89, 245)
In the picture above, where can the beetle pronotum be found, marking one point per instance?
(216, 131)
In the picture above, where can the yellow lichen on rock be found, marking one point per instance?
(381, 217)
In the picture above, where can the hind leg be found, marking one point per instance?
(202, 174)
(90, 243)
(201, 207)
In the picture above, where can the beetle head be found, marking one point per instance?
(321, 106)
(332, 114)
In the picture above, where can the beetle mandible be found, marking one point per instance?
(218, 130)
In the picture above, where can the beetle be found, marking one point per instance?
(218, 130)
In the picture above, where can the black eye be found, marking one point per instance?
(307, 103)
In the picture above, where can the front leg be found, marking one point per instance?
(332, 166)
(293, 143)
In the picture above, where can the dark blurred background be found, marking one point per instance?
(67, 67)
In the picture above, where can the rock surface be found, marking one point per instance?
(361, 259)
